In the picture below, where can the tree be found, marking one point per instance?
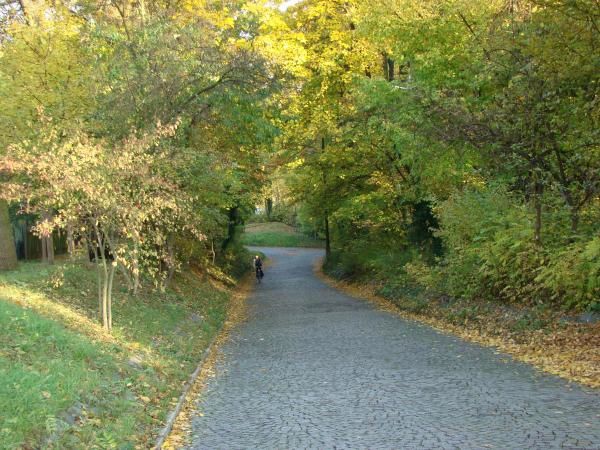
(117, 197)
(8, 255)
(426, 107)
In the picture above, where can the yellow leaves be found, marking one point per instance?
(473, 179)
(43, 65)
(276, 41)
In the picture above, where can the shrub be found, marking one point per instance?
(470, 222)
(491, 253)
(573, 275)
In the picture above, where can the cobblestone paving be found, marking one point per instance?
(315, 368)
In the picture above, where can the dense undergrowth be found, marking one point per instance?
(486, 254)
(67, 383)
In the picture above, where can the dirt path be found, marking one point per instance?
(315, 368)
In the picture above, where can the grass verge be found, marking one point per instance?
(65, 383)
(275, 234)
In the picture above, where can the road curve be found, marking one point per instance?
(315, 368)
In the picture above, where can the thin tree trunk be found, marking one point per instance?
(70, 241)
(98, 278)
(47, 242)
(111, 278)
(212, 249)
(537, 235)
(327, 238)
(50, 246)
(104, 271)
(104, 293)
(44, 249)
(384, 65)
(574, 220)
(136, 269)
(8, 252)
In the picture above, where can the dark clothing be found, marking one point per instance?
(258, 268)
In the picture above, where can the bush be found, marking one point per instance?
(573, 275)
(236, 260)
(491, 254)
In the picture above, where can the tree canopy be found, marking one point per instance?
(460, 138)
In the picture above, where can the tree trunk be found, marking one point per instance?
(384, 65)
(70, 241)
(574, 220)
(537, 234)
(47, 242)
(104, 294)
(98, 278)
(136, 268)
(44, 250)
(268, 207)
(104, 272)
(8, 252)
(233, 214)
(327, 239)
(212, 250)
(103, 275)
(111, 277)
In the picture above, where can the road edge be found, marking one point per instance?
(520, 352)
(178, 418)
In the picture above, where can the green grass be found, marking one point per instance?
(65, 383)
(275, 234)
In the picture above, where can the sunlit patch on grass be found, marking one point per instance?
(66, 383)
(275, 234)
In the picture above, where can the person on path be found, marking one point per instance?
(258, 268)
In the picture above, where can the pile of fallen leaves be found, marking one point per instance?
(567, 349)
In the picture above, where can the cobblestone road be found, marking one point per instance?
(314, 368)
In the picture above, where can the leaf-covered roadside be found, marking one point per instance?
(67, 383)
(236, 314)
(545, 338)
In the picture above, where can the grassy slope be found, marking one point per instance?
(65, 383)
(275, 234)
